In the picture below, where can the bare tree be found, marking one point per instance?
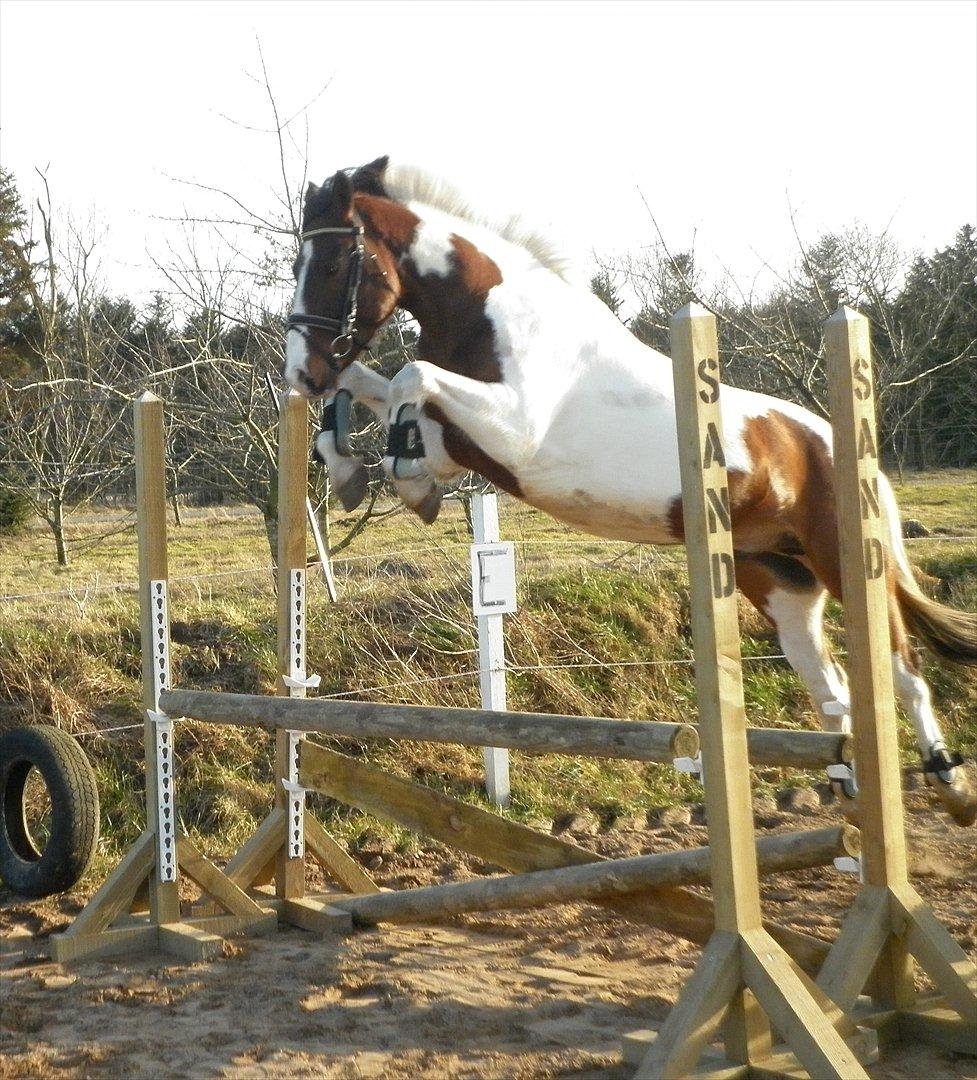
(58, 420)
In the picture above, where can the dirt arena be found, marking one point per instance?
(529, 994)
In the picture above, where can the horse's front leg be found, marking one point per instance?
(347, 473)
(425, 402)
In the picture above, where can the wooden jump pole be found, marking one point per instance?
(744, 977)
(889, 923)
(635, 740)
(639, 740)
(593, 881)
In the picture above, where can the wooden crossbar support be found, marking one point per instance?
(744, 979)
(889, 923)
(516, 847)
(152, 867)
(636, 740)
(596, 881)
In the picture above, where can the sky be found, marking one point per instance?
(722, 116)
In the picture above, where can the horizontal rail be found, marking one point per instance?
(593, 881)
(634, 740)
(799, 749)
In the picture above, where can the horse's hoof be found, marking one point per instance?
(421, 494)
(352, 491)
(956, 793)
(847, 799)
(429, 507)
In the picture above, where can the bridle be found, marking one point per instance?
(343, 327)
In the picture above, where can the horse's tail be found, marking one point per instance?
(950, 634)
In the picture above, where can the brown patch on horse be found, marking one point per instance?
(390, 222)
(784, 506)
(465, 452)
(457, 336)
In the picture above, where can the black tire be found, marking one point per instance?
(71, 786)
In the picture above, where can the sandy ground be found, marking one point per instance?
(512, 995)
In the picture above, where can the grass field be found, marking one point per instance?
(598, 632)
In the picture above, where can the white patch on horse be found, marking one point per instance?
(296, 345)
(430, 250)
(914, 695)
(411, 185)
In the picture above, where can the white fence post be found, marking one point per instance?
(492, 566)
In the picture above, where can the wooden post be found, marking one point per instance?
(742, 968)
(491, 655)
(150, 460)
(889, 920)
(293, 465)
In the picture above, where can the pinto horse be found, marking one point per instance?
(531, 381)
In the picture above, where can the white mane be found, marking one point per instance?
(407, 183)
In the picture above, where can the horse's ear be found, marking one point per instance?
(369, 178)
(342, 192)
(311, 190)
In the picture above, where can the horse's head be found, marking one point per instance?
(346, 283)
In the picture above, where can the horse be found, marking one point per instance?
(528, 379)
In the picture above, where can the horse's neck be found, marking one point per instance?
(455, 275)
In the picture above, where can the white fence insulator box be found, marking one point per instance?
(493, 578)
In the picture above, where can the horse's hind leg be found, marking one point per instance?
(792, 599)
(940, 767)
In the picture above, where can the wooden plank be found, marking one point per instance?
(794, 1013)
(314, 915)
(863, 542)
(693, 1020)
(746, 1030)
(716, 638)
(293, 482)
(337, 862)
(70, 947)
(951, 970)
(116, 893)
(711, 1066)
(635, 740)
(228, 925)
(857, 947)
(715, 622)
(260, 848)
(940, 1027)
(150, 462)
(189, 943)
(202, 871)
